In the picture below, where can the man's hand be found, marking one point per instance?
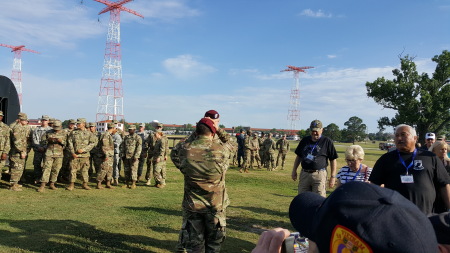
(271, 241)
(158, 160)
(294, 175)
(80, 151)
(23, 155)
(74, 156)
(332, 182)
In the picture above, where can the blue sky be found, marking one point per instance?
(188, 56)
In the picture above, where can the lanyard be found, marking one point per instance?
(356, 174)
(315, 145)
(403, 162)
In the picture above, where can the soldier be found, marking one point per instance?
(159, 158)
(262, 151)
(54, 142)
(80, 142)
(247, 153)
(204, 163)
(130, 152)
(254, 151)
(20, 145)
(283, 148)
(144, 136)
(150, 148)
(270, 147)
(65, 169)
(106, 149)
(240, 138)
(95, 159)
(39, 150)
(5, 145)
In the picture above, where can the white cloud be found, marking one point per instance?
(331, 56)
(315, 14)
(186, 66)
(162, 10)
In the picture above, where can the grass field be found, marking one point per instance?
(146, 219)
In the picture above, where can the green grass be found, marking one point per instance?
(146, 219)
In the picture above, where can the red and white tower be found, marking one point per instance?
(293, 111)
(110, 98)
(16, 75)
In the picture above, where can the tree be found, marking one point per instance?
(332, 131)
(419, 100)
(355, 129)
(302, 133)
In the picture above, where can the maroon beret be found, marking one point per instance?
(209, 124)
(213, 114)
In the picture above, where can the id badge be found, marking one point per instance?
(407, 179)
(310, 157)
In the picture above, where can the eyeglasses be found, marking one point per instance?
(350, 161)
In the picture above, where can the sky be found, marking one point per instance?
(189, 56)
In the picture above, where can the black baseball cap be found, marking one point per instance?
(362, 217)
(441, 225)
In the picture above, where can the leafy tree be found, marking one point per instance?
(355, 129)
(332, 131)
(302, 133)
(222, 126)
(419, 100)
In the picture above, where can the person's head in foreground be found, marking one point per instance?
(441, 225)
(361, 217)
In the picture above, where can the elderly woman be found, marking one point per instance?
(355, 170)
(440, 148)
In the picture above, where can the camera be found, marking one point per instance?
(295, 243)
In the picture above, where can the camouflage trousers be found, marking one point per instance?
(281, 156)
(79, 164)
(202, 232)
(52, 166)
(246, 162)
(130, 166)
(150, 169)
(254, 155)
(65, 169)
(106, 169)
(270, 160)
(140, 166)
(95, 163)
(117, 164)
(262, 155)
(37, 164)
(17, 166)
(159, 172)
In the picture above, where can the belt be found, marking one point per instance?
(312, 171)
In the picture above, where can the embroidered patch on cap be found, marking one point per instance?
(344, 240)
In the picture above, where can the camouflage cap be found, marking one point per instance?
(72, 121)
(22, 116)
(111, 125)
(91, 124)
(142, 125)
(132, 127)
(114, 121)
(159, 125)
(316, 125)
(52, 120)
(57, 125)
(45, 117)
(81, 120)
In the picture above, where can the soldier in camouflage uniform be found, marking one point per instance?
(270, 147)
(39, 150)
(283, 148)
(144, 136)
(247, 153)
(159, 158)
(130, 152)
(240, 138)
(204, 163)
(106, 149)
(262, 151)
(20, 145)
(149, 148)
(254, 151)
(65, 169)
(116, 164)
(53, 142)
(5, 145)
(95, 159)
(80, 142)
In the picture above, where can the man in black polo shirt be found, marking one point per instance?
(314, 152)
(416, 174)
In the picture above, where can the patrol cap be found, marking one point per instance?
(72, 121)
(91, 124)
(111, 125)
(316, 125)
(1, 113)
(22, 116)
(132, 127)
(52, 120)
(213, 114)
(57, 125)
(441, 137)
(81, 120)
(45, 117)
(159, 125)
(142, 125)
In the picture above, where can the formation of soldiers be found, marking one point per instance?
(260, 150)
(61, 154)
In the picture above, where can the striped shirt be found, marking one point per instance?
(345, 175)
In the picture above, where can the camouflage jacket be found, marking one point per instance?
(131, 147)
(149, 145)
(106, 145)
(221, 135)
(96, 149)
(204, 163)
(81, 140)
(5, 135)
(261, 142)
(282, 146)
(269, 145)
(253, 143)
(20, 139)
(161, 149)
(117, 141)
(54, 143)
(37, 135)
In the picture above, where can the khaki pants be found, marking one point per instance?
(313, 182)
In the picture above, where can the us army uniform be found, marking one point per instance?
(144, 136)
(130, 152)
(247, 153)
(160, 152)
(116, 164)
(262, 151)
(5, 145)
(283, 148)
(65, 169)
(203, 163)
(20, 145)
(149, 148)
(80, 142)
(95, 160)
(54, 142)
(254, 151)
(106, 149)
(270, 147)
(39, 150)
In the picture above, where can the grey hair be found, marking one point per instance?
(412, 131)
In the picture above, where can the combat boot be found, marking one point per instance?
(108, 184)
(41, 188)
(15, 187)
(116, 182)
(240, 170)
(148, 182)
(99, 184)
(246, 171)
(86, 186)
(71, 186)
(52, 186)
(133, 185)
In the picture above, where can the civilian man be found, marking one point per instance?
(430, 138)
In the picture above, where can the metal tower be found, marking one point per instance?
(110, 98)
(16, 75)
(293, 111)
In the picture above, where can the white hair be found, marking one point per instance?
(412, 131)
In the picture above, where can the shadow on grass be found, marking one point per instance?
(73, 236)
(177, 213)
